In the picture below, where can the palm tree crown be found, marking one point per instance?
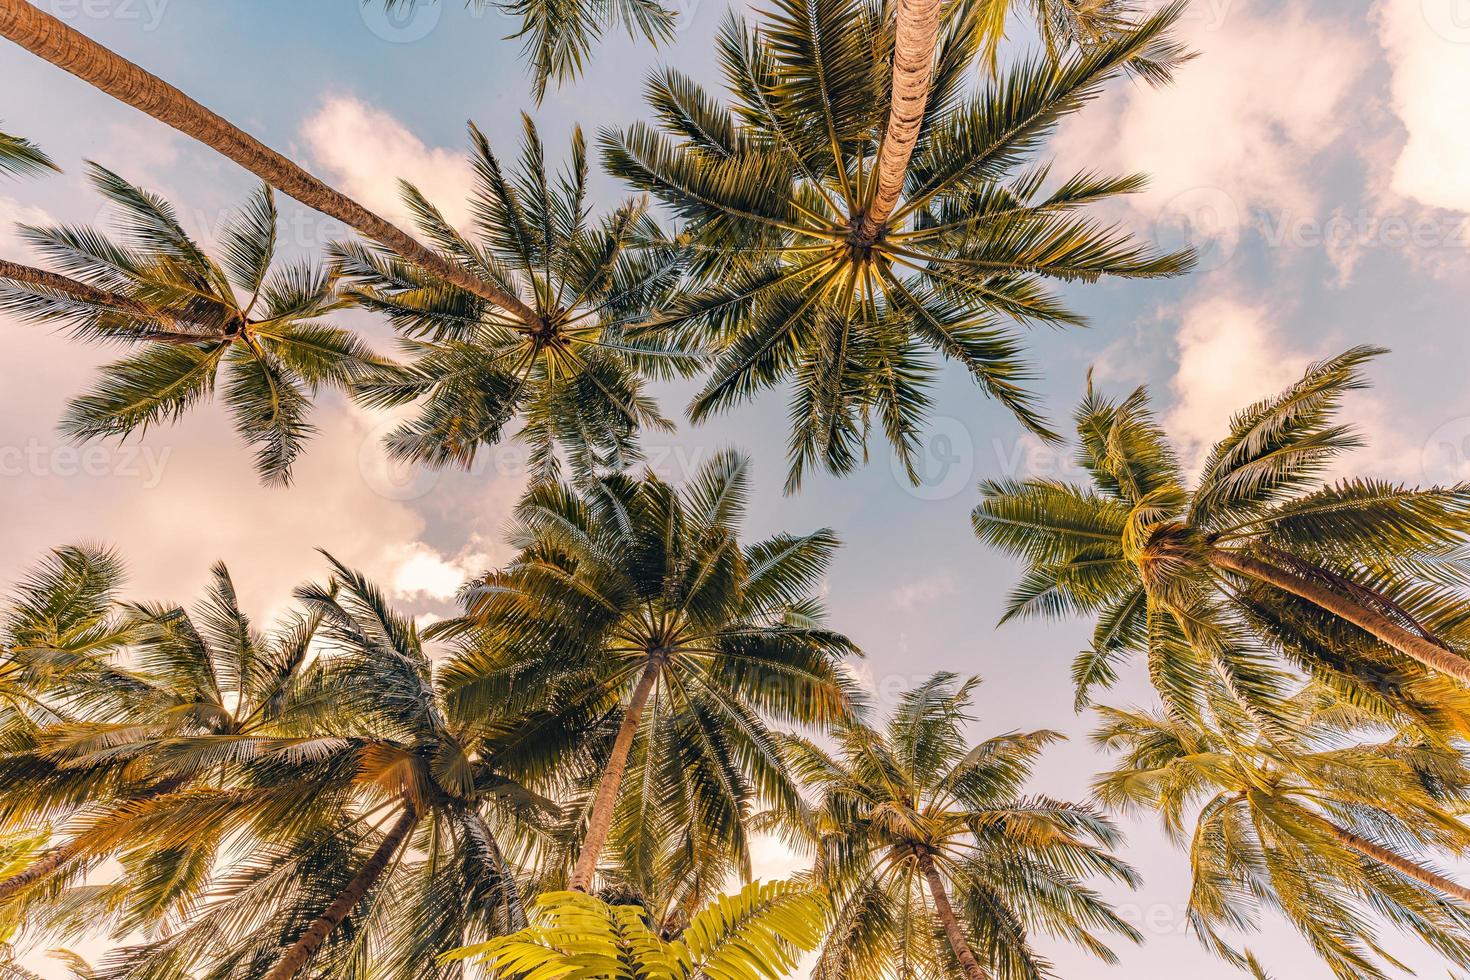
(777, 191)
(21, 157)
(636, 602)
(915, 809)
(257, 320)
(570, 361)
(1357, 582)
(1330, 836)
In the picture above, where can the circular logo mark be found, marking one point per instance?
(1205, 218)
(391, 478)
(1445, 458)
(401, 21)
(1450, 19)
(944, 461)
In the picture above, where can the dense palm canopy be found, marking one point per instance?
(635, 601)
(570, 363)
(1333, 836)
(757, 934)
(938, 862)
(248, 316)
(775, 187)
(1257, 566)
(21, 157)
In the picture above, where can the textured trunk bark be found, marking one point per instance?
(950, 921)
(1410, 644)
(301, 952)
(50, 39)
(174, 328)
(916, 35)
(1400, 864)
(600, 823)
(40, 868)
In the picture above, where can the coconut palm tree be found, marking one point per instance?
(636, 602)
(1335, 838)
(362, 819)
(928, 842)
(573, 371)
(754, 935)
(20, 157)
(557, 38)
(209, 674)
(1359, 582)
(841, 249)
(256, 320)
(68, 49)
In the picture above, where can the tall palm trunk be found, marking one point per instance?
(600, 823)
(913, 63)
(300, 953)
(50, 39)
(1402, 865)
(39, 869)
(51, 283)
(950, 921)
(1410, 644)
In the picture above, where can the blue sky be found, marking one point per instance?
(1316, 151)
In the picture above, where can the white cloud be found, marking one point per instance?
(422, 572)
(364, 151)
(1240, 126)
(1428, 51)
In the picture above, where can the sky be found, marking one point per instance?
(1315, 152)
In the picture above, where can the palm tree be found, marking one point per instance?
(209, 674)
(158, 289)
(557, 38)
(369, 809)
(755, 935)
(1357, 582)
(573, 369)
(1328, 836)
(54, 41)
(915, 810)
(785, 194)
(21, 157)
(635, 602)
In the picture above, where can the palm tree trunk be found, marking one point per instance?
(1410, 644)
(40, 868)
(1402, 865)
(600, 823)
(913, 63)
(301, 952)
(949, 920)
(50, 39)
(44, 283)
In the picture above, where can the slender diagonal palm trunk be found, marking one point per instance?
(52, 283)
(1402, 865)
(300, 953)
(52, 40)
(913, 65)
(951, 923)
(41, 868)
(600, 823)
(1410, 644)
